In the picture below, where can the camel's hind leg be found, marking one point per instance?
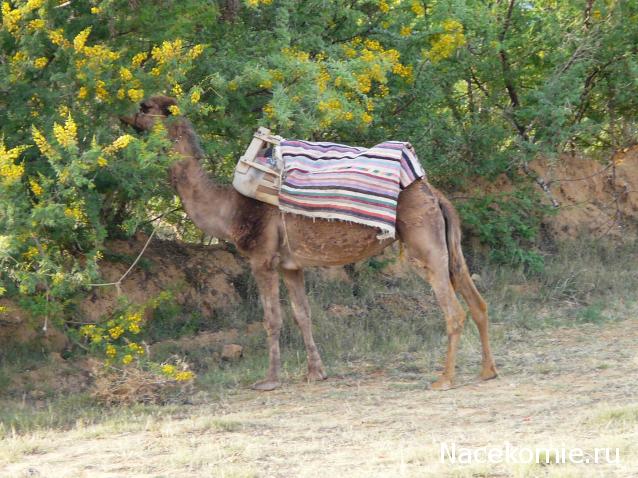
(464, 284)
(427, 245)
(294, 281)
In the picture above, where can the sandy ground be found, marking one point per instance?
(557, 388)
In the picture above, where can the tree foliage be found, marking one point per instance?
(479, 87)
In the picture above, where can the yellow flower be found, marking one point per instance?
(177, 90)
(406, 31)
(98, 55)
(83, 92)
(156, 71)
(139, 58)
(58, 278)
(167, 51)
(40, 62)
(10, 18)
(331, 105)
(31, 252)
(135, 318)
(136, 348)
(116, 332)
(384, 7)
(87, 329)
(42, 143)
(10, 172)
(100, 90)
(80, 40)
(102, 162)
(128, 358)
(57, 38)
(277, 75)
(121, 94)
(269, 110)
(135, 95)
(417, 8)
(363, 83)
(35, 187)
(125, 74)
(120, 143)
(75, 212)
(232, 85)
(445, 44)
(18, 57)
(70, 127)
(195, 51)
(347, 116)
(195, 96)
(349, 51)
(168, 369)
(96, 10)
(366, 118)
(301, 56)
(111, 351)
(373, 45)
(451, 25)
(63, 177)
(66, 135)
(184, 376)
(403, 71)
(174, 109)
(37, 24)
(322, 80)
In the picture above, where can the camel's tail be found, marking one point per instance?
(458, 267)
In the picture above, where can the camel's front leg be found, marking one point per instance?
(301, 312)
(268, 284)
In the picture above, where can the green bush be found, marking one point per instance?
(509, 224)
(478, 88)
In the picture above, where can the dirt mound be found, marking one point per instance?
(17, 327)
(200, 276)
(595, 198)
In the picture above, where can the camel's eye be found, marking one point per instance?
(144, 108)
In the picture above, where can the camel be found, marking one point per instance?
(278, 243)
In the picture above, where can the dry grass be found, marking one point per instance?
(130, 385)
(382, 422)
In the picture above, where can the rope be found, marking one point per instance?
(118, 283)
(280, 163)
(286, 240)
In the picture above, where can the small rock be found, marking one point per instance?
(232, 352)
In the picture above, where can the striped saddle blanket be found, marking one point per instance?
(348, 183)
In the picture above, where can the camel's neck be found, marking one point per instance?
(209, 205)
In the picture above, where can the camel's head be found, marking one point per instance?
(155, 108)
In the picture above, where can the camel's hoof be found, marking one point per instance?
(266, 385)
(441, 384)
(488, 373)
(316, 375)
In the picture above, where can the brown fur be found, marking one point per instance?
(277, 243)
